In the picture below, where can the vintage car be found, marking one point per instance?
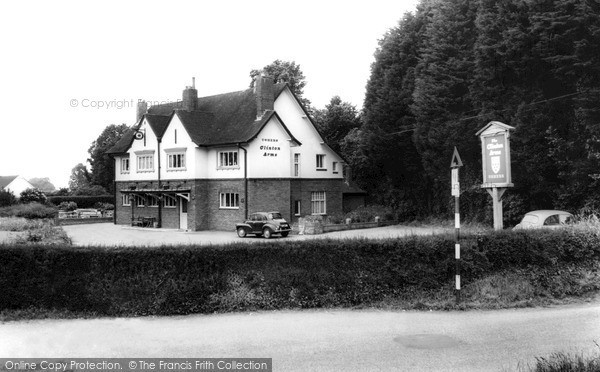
(545, 219)
(88, 213)
(264, 223)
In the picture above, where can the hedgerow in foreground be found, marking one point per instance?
(293, 274)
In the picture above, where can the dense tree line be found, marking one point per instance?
(450, 68)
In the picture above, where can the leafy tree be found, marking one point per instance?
(32, 196)
(285, 72)
(7, 198)
(336, 121)
(452, 67)
(103, 165)
(80, 177)
(383, 150)
(43, 184)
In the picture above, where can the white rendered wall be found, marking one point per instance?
(269, 153)
(182, 144)
(312, 144)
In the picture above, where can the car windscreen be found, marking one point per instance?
(275, 216)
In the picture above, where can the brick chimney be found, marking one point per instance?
(265, 94)
(190, 97)
(141, 110)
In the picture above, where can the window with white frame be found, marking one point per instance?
(176, 161)
(230, 200)
(320, 161)
(296, 165)
(169, 201)
(318, 202)
(139, 201)
(152, 201)
(125, 165)
(145, 163)
(125, 200)
(334, 167)
(228, 159)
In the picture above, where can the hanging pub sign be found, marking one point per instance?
(495, 152)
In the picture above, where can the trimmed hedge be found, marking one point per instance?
(82, 201)
(293, 274)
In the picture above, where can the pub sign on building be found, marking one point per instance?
(207, 163)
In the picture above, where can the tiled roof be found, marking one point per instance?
(6, 180)
(158, 123)
(221, 119)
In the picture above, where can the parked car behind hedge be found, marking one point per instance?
(545, 219)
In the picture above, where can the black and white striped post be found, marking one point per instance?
(455, 165)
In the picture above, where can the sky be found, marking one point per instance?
(70, 68)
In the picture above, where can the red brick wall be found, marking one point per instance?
(301, 189)
(266, 195)
(204, 212)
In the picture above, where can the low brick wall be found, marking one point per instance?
(350, 226)
(317, 227)
(81, 221)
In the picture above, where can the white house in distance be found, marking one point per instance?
(16, 184)
(207, 163)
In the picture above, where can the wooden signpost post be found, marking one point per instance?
(495, 159)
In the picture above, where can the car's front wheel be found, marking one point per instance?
(267, 233)
(284, 234)
(241, 232)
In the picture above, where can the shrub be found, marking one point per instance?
(29, 211)
(368, 213)
(334, 219)
(82, 201)
(7, 198)
(46, 234)
(104, 206)
(32, 196)
(67, 206)
(18, 224)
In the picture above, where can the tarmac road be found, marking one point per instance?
(109, 234)
(322, 340)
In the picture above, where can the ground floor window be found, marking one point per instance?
(152, 201)
(125, 200)
(139, 201)
(169, 201)
(297, 210)
(230, 200)
(318, 202)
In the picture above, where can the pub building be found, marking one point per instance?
(206, 163)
